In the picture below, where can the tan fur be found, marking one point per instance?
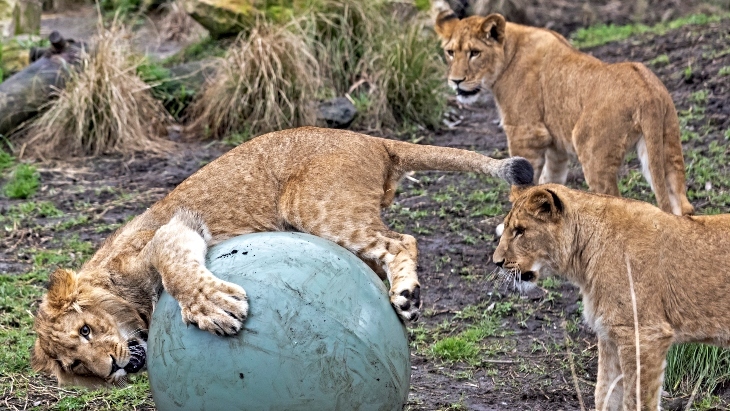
(329, 183)
(679, 267)
(556, 101)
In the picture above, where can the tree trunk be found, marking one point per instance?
(24, 93)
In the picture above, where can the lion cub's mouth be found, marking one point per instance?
(467, 93)
(527, 276)
(138, 356)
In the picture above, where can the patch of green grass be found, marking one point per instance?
(660, 60)
(423, 5)
(133, 396)
(467, 346)
(6, 160)
(23, 183)
(606, 33)
(17, 294)
(29, 211)
(689, 363)
(456, 349)
(724, 71)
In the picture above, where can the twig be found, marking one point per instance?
(572, 368)
(694, 391)
(636, 335)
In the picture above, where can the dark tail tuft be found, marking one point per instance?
(518, 172)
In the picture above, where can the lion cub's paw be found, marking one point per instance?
(218, 307)
(407, 302)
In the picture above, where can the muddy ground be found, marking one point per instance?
(539, 356)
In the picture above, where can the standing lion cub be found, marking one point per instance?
(555, 101)
(679, 267)
(92, 325)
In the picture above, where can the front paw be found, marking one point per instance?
(218, 307)
(407, 302)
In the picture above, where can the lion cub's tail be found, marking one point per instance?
(415, 157)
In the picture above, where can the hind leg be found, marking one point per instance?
(346, 210)
(600, 151)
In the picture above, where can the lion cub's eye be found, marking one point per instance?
(474, 53)
(75, 364)
(450, 53)
(519, 231)
(85, 331)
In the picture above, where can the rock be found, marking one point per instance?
(20, 17)
(222, 18)
(338, 112)
(24, 93)
(513, 10)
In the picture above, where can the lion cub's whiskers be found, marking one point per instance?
(133, 333)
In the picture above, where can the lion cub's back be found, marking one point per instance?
(242, 187)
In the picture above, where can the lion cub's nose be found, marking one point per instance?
(458, 81)
(499, 263)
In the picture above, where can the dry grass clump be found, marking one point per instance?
(265, 82)
(104, 108)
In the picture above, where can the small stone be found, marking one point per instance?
(338, 112)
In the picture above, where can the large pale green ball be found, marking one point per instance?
(321, 335)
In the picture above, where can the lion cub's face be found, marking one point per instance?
(531, 232)
(87, 336)
(474, 49)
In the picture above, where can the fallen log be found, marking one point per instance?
(25, 92)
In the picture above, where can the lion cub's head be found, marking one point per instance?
(474, 49)
(86, 335)
(532, 234)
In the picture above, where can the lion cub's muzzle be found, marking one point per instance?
(138, 357)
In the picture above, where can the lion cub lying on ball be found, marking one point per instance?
(680, 268)
(555, 101)
(331, 183)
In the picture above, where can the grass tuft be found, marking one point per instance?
(6, 160)
(690, 364)
(24, 182)
(409, 83)
(105, 107)
(391, 69)
(264, 83)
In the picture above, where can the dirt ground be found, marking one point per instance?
(541, 357)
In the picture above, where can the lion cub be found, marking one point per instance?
(555, 101)
(92, 325)
(679, 269)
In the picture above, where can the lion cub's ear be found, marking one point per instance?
(62, 289)
(493, 26)
(445, 20)
(516, 191)
(544, 204)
